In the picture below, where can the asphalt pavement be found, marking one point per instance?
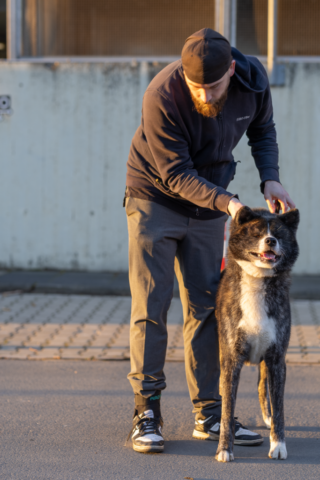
(68, 420)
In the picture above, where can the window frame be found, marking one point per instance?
(225, 23)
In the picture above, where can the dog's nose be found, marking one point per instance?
(271, 241)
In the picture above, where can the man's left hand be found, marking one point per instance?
(274, 191)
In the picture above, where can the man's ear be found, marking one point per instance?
(244, 215)
(291, 219)
(232, 68)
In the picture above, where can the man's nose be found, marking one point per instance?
(205, 96)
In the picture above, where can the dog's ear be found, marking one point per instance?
(291, 219)
(244, 215)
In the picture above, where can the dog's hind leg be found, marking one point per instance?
(229, 380)
(264, 394)
(276, 380)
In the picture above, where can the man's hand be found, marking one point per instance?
(233, 206)
(274, 191)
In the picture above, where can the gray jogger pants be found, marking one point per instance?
(162, 241)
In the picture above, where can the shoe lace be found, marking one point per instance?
(146, 426)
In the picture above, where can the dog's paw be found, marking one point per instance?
(278, 450)
(224, 456)
(267, 421)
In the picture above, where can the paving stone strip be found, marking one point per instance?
(84, 327)
(22, 332)
(315, 314)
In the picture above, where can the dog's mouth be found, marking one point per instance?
(268, 256)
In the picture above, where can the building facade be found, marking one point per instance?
(72, 78)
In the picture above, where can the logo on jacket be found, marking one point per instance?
(242, 118)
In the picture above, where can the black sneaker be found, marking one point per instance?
(209, 429)
(244, 436)
(146, 433)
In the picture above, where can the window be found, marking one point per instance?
(152, 28)
(3, 30)
(111, 27)
(298, 29)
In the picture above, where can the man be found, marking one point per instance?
(180, 164)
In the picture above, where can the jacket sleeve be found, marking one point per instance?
(263, 141)
(170, 151)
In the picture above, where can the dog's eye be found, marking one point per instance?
(255, 232)
(275, 230)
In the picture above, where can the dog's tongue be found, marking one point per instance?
(268, 255)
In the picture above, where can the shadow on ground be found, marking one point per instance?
(68, 420)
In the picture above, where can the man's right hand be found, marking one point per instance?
(233, 206)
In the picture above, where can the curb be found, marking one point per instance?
(304, 287)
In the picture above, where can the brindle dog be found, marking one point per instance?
(253, 313)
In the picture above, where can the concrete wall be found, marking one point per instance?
(63, 159)
(297, 118)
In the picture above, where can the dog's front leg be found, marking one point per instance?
(229, 380)
(276, 379)
(263, 393)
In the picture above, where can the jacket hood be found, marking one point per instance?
(250, 72)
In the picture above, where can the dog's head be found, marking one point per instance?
(264, 243)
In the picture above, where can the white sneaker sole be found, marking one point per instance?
(213, 436)
(205, 436)
(148, 448)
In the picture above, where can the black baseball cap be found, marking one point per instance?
(206, 56)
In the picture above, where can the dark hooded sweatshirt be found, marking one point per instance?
(183, 160)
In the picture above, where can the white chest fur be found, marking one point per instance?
(259, 328)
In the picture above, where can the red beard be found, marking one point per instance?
(210, 109)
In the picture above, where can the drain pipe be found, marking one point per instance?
(276, 71)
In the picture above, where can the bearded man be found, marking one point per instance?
(194, 113)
